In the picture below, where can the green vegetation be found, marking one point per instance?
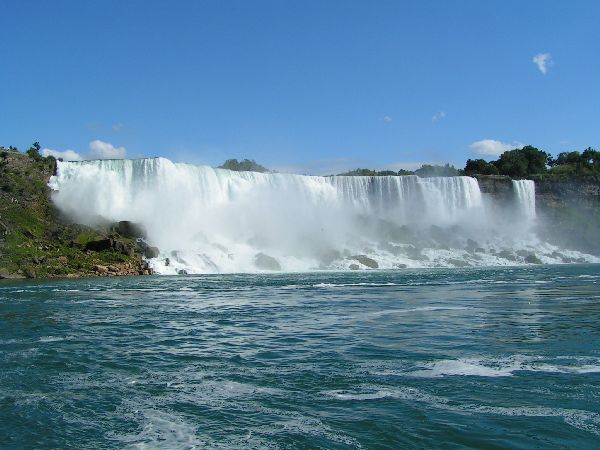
(480, 167)
(375, 173)
(530, 162)
(246, 165)
(34, 151)
(429, 170)
(34, 242)
(522, 163)
(527, 162)
(426, 170)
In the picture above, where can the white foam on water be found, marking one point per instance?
(584, 420)
(161, 430)
(504, 367)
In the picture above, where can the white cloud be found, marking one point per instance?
(67, 155)
(98, 150)
(387, 119)
(118, 127)
(105, 150)
(491, 147)
(438, 116)
(543, 61)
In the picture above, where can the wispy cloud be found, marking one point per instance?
(98, 150)
(491, 147)
(118, 127)
(387, 119)
(543, 61)
(66, 155)
(105, 150)
(438, 116)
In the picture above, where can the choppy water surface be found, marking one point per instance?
(490, 358)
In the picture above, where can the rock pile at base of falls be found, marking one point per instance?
(263, 261)
(365, 261)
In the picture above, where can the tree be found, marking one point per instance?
(433, 170)
(575, 163)
(521, 163)
(480, 167)
(34, 151)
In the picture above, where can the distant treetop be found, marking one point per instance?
(374, 173)
(246, 165)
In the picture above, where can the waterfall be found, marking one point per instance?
(525, 198)
(214, 220)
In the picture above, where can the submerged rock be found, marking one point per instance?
(354, 267)
(507, 255)
(265, 262)
(532, 259)
(459, 262)
(366, 261)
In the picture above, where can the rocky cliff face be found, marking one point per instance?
(568, 211)
(36, 242)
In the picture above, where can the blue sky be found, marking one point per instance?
(304, 86)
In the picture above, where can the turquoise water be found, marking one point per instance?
(485, 358)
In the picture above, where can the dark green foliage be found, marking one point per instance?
(576, 165)
(34, 151)
(522, 163)
(375, 173)
(246, 165)
(429, 170)
(480, 167)
(360, 173)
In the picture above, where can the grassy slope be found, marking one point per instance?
(34, 242)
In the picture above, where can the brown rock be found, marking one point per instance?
(100, 269)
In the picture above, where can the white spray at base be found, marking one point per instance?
(207, 220)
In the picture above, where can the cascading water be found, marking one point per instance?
(214, 220)
(525, 197)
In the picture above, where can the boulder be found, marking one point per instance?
(151, 252)
(354, 267)
(365, 261)
(100, 269)
(265, 262)
(532, 259)
(130, 229)
(98, 245)
(507, 255)
(5, 274)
